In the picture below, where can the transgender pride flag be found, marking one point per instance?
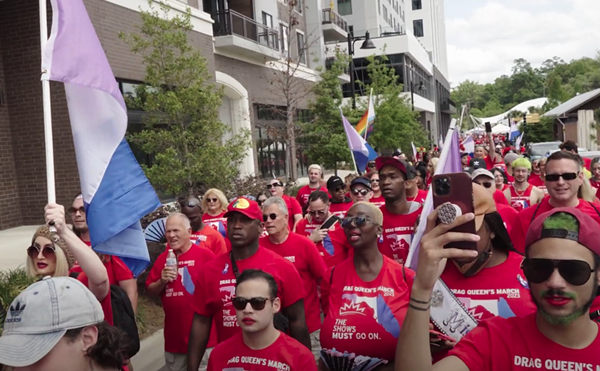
(115, 190)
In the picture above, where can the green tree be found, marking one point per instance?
(326, 136)
(190, 146)
(542, 131)
(395, 125)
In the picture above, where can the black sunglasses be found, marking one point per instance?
(256, 303)
(269, 186)
(272, 216)
(485, 184)
(47, 251)
(363, 192)
(208, 199)
(73, 210)
(260, 202)
(374, 180)
(358, 221)
(565, 176)
(337, 189)
(317, 212)
(575, 272)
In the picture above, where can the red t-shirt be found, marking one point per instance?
(285, 354)
(213, 221)
(340, 209)
(209, 238)
(535, 180)
(294, 208)
(398, 231)
(419, 198)
(508, 215)
(497, 291)
(177, 296)
(516, 344)
(510, 178)
(379, 201)
(305, 256)
(304, 194)
(365, 317)
(500, 198)
(523, 221)
(334, 247)
(115, 267)
(216, 287)
(489, 164)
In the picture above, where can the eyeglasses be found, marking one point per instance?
(358, 221)
(73, 210)
(565, 176)
(363, 192)
(212, 200)
(374, 180)
(256, 303)
(260, 202)
(269, 186)
(33, 251)
(337, 189)
(317, 212)
(485, 184)
(272, 216)
(575, 272)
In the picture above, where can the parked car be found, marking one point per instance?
(542, 148)
(589, 154)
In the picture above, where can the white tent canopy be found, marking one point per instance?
(522, 107)
(500, 128)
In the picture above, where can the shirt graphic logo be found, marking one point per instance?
(226, 269)
(229, 294)
(399, 241)
(523, 281)
(352, 308)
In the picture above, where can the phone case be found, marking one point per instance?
(329, 222)
(488, 127)
(460, 194)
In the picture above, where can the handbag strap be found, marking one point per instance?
(234, 266)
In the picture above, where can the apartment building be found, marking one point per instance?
(378, 17)
(427, 22)
(245, 43)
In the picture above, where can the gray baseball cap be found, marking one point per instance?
(41, 315)
(480, 172)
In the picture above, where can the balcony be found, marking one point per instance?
(335, 27)
(236, 33)
(448, 106)
(344, 77)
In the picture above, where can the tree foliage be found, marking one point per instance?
(395, 125)
(555, 79)
(190, 146)
(542, 131)
(328, 144)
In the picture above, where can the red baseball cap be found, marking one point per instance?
(380, 162)
(245, 206)
(588, 235)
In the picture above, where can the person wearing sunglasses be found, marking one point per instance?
(201, 233)
(399, 214)
(47, 255)
(261, 197)
(315, 174)
(360, 190)
(365, 297)
(521, 194)
(377, 198)
(215, 285)
(260, 346)
(276, 188)
(175, 289)
(339, 202)
(484, 178)
(303, 253)
(323, 228)
(563, 179)
(118, 272)
(413, 193)
(214, 205)
(561, 267)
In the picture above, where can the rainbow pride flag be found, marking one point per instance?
(365, 125)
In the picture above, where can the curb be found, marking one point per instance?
(151, 356)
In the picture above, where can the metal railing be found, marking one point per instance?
(331, 16)
(230, 22)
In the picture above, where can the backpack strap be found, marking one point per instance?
(592, 205)
(331, 277)
(535, 212)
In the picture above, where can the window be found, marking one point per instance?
(418, 28)
(345, 7)
(267, 19)
(299, 6)
(416, 5)
(385, 13)
(301, 47)
(285, 31)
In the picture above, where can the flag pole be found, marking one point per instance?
(351, 153)
(47, 107)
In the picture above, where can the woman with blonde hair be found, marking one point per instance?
(48, 255)
(431, 166)
(214, 205)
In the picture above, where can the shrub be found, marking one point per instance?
(12, 282)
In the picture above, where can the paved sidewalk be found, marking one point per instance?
(13, 246)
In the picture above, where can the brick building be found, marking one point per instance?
(241, 61)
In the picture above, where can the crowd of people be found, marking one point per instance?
(268, 282)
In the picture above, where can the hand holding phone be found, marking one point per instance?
(488, 127)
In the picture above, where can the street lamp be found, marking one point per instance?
(420, 86)
(367, 44)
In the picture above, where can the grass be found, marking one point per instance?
(150, 316)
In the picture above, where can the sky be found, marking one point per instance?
(484, 37)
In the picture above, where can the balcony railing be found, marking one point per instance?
(230, 22)
(330, 16)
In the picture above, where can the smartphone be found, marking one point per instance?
(488, 127)
(457, 189)
(329, 222)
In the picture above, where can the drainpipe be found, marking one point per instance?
(563, 128)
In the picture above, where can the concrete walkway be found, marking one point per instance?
(13, 246)
(151, 356)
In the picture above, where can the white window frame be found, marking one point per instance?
(284, 36)
(304, 51)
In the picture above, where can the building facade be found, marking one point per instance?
(242, 41)
(426, 20)
(378, 17)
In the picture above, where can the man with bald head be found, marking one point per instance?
(176, 287)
